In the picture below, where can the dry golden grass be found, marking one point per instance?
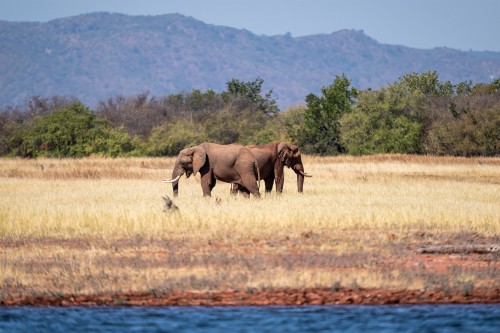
(97, 225)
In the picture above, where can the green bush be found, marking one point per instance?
(475, 132)
(169, 139)
(11, 139)
(384, 121)
(73, 131)
(292, 120)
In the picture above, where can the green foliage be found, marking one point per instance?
(239, 115)
(62, 133)
(73, 131)
(321, 129)
(416, 114)
(170, 138)
(270, 130)
(475, 132)
(464, 88)
(266, 135)
(427, 83)
(114, 142)
(11, 139)
(251, 91)
(394, 119)
(238, 126)
(224, 127)
(293, 124)
(487, 89)
(420, 114)
(380, 124)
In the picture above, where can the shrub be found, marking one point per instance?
(472, 132)
(169, 139)
(381, 123)
(73, 131)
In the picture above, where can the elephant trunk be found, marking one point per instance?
(176, 174)
(299, 170)
(300, 183)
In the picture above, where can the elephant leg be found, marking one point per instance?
(250, 184)
(279, 184)
(207, 184)
(244, 192)
(235, 188)
(212, 185)
(269, 184)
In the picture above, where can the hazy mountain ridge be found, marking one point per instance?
(100, 55)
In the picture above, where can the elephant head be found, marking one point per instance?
(289, 155)
(189, 161)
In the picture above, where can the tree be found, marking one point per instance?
(381, 123)
(250, 92)
(487, 89)
(469, 127)
(321, 130)
(395, 119)
(427, 83)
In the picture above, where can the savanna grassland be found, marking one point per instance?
(80, 227)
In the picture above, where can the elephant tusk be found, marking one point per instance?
(303, 173)
(172, 180)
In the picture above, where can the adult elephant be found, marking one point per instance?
(272, 158)
(227, 163)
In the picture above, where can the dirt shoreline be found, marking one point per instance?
(276, 297)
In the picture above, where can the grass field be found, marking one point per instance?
(98, 225)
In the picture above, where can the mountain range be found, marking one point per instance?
(96, 56)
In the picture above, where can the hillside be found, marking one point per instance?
(100, 55)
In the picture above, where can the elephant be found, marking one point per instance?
(272, 158)
(227, 163)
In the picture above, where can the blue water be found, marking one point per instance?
(426, 318)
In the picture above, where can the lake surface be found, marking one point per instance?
(422, 318)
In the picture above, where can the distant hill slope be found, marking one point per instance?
(96, 56)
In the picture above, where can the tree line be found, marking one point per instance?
(417, 114)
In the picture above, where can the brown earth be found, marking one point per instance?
(307, 296)
(409, 259)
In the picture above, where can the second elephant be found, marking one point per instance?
(272, 158)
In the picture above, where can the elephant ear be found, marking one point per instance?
(284, 152)
(199, 158)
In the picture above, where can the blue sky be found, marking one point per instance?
(459, 24)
